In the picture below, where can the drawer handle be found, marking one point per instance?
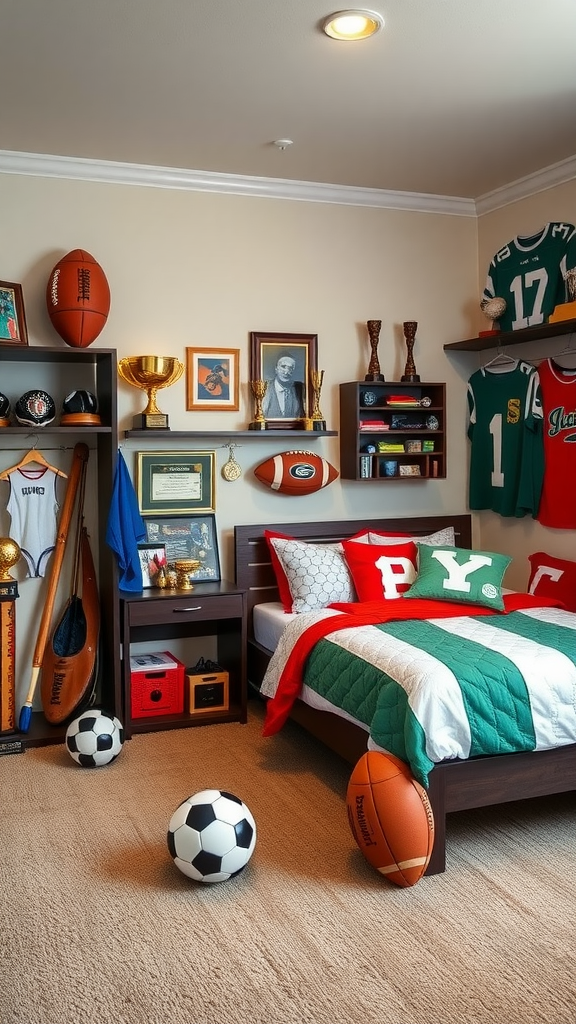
(197, 608)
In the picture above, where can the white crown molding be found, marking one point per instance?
(42, 165)
(107, 171)
(556, 174)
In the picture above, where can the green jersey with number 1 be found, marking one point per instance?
(506, 431)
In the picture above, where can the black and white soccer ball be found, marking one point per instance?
(95, 738)
(211, 836)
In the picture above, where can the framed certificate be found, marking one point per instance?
(176, 483)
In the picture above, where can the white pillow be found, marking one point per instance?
(445, 537)
(317, 574)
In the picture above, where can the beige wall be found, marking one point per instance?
(194, 269)
(520, 538)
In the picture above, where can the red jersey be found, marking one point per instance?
(558, 501)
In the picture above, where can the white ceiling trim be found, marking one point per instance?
(111, 172)
(556, 174)
(41, 165)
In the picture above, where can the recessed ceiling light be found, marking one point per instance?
(350, 25)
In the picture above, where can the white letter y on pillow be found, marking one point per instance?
(457, 573)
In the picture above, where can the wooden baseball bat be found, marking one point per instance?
(79, 461)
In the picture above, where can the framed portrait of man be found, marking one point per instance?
(284, 361)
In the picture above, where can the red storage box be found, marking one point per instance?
(157, 685)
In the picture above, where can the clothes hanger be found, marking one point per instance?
(569, 354)
(500, 359)
(32, 455)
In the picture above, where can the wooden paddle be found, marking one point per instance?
(79, 460)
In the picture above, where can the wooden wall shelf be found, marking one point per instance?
(506, 338)
(257, 435)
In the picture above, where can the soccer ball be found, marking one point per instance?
(211, 836)
(95, 738)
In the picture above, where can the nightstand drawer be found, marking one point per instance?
(186, 609)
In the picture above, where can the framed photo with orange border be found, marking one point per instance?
(13, 329)
(212, 379)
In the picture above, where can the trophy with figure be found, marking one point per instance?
(258, 388)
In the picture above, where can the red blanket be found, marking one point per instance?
(371, 613)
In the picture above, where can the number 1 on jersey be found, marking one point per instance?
(496, 476)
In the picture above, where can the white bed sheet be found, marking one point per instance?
(270, 620)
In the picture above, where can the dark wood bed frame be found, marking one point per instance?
(454, 785)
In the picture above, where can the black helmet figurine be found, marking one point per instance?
(80, 407)
(35, 409)
(4, 411)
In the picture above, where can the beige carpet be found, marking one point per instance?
(99, 927)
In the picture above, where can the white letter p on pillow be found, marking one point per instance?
(395, 571)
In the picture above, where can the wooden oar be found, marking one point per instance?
(79, 460)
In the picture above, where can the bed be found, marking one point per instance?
(454, 784)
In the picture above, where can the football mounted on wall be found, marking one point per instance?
(296, 472)
(78, 298)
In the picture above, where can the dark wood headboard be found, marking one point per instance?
(253, 567)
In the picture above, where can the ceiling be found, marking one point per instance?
(451, 98)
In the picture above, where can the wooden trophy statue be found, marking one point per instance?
(374, 366)
(410, 376)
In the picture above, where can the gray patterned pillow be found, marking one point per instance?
(317, 573)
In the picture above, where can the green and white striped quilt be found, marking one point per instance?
(434, 689)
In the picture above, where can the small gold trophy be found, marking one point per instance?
(150, 373)
(316, 378)
(259, 388)
(410, 376)
(374, 366)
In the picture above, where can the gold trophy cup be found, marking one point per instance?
(258, 388)
(150, 373)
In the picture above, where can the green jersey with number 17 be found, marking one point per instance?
(506, 433)
(529, 273)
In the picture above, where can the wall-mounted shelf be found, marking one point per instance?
(257, 435)
(506, 338)
(363, 403)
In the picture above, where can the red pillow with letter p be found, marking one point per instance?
(381, 571)
(553, 577)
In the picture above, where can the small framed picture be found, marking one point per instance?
(152, 559)
(176, 482)
(12, 317)
(212, 379)
(187, 537)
